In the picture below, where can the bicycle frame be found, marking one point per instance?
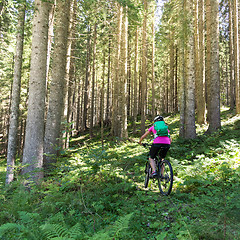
(164, 176)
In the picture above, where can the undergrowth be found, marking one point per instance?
(98, 193)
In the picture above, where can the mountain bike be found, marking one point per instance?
(164, 176)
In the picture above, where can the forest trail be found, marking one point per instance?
(101, 194)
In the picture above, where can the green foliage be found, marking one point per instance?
(96, 193)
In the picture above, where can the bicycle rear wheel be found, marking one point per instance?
(148, 171)
(165, 180)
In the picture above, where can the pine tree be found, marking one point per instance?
(33, 149)
(57, 88)
(14, 118)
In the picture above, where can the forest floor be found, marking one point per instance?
(98, 193)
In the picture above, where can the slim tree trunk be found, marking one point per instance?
(108, 83)
(171, 73)
(208, 55)
(50, 37)
(176, 82)
(102, 102)
(200, 101)
(153, 69)
(86, 83)
(115, 111)
(231, 57)
(201, 108)
(136, 73)
(14, 117)
(190, 129)
(70, 76)
(214, 90)
(93, 80)
(33, 149)
(236, 54)
(144, 69)
(124, 79)
(58, 84)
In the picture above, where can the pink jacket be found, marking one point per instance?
(161, 140)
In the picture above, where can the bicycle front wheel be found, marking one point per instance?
(165, 179)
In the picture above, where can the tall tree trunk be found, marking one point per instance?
(231, 57)
(176, 82)
(201, 105)
(70, 76)
(86, 83)
(144, 69)
(50, 38)
(199, 53)
(108, 83)
(236, 54)
(214, 90)
(153, 68)
(190, 129)
(102, 101)
(171, 73)
(124, 79)
(115, 110)
(33, 149)
(58, 84)
(129, 79)
(208, 56)
(93, 79)
(136, 73)
(14, 117)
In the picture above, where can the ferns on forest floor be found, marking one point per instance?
(96, 193)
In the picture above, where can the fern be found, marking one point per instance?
(60, 231)
(54, 230)
(10, 230)
(75, 231)
(122, 224)
(9, 227)
(118, 230)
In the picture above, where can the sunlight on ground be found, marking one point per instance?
(2, 176)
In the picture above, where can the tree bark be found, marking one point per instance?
(115, 110)
(107, 117)
(214, 86)
(231, 57)
(58, 84)
(190, 129)
(86, 83)
(124, 79)
(208, 56)
(171, 73)
(14, 117)
(153, 69)
(236, 54)
(136, 74)
(144, 69)
(70, 77)
(33, 149)
(201, 106)
(93, 79)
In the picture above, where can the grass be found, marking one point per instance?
(97, 193)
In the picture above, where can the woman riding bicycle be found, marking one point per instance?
(161, 143)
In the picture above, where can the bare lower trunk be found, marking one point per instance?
(33, 149)
(56, 99)
(13, 128)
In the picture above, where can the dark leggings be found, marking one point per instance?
(161, 148)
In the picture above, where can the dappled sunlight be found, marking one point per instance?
(2, 176)
(96, 187)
